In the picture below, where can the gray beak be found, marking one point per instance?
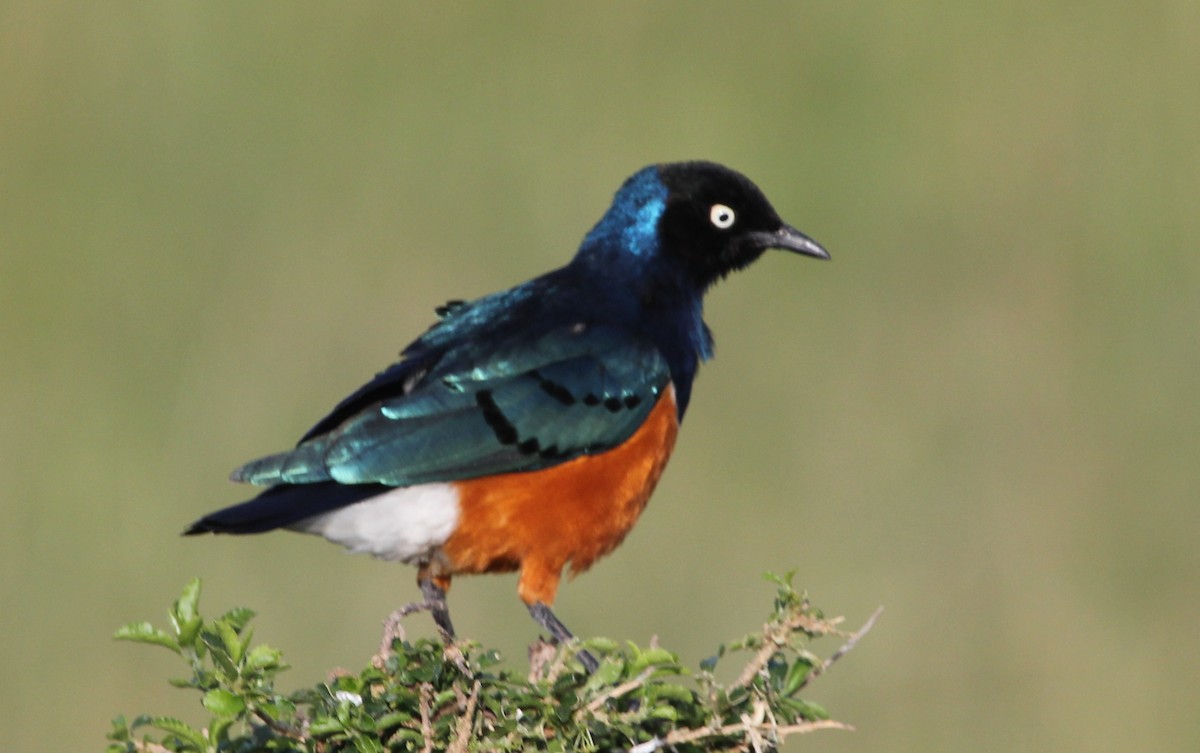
(789, 238)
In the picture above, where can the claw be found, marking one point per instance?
(544, 617)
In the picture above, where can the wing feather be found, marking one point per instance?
(488, 406)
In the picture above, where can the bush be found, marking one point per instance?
(422, 696)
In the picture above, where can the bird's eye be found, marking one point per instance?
(721, 216)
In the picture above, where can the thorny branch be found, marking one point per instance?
(680, 736)
(850, 643)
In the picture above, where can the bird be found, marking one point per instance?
(526, 430)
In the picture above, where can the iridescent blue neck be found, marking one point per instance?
(629, 228)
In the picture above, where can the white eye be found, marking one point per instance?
(721, 216)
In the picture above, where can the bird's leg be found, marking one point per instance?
(434, 591)
(435, 602)
(544, 617)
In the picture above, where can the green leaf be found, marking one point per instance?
(664, 711)
(234, 646)
(608, 673)
(796, 676)
(144, 632)
(185, 615)
(188, 632)
(364, 722)
(188, 734)
(263, 656)
(277, 708)
(368, 744)
(603, 645)
(410, 735)
(120, 729)
(653, 656)
(238, 617)
(224, 703)
(670, 691)
(218, 731)
(187, 606)
(806, 710)
(393, 719)
(220, 654)
(325, 725)
(783, 581)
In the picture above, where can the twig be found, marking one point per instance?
(774, 635)
(755, 665)
(279, 728)
(751, 731)
(393, 630)
(850, 643)
(426, 725)
(620, 690)
(466, 722)
(687, 735)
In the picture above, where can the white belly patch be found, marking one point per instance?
(405, 524)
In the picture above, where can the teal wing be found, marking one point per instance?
(493, 405)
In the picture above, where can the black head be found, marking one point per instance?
(716, 221)
(672, 230)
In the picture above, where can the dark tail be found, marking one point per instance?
(283, 505)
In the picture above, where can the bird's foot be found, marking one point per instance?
(542, 664)
(544, 617)
(453, 654)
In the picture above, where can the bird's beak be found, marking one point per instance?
(789, 238)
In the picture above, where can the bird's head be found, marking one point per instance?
(701, 219)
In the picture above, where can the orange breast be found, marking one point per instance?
(575, 512)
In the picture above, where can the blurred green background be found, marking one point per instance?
(218, 218)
